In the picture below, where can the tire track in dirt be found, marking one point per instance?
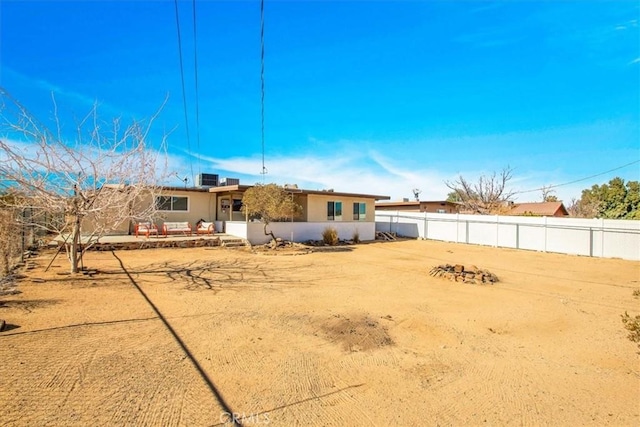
(64, 382)
(304, 400)
(194, 362)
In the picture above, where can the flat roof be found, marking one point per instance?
(230, 188)
(162, 188)
(415, 203)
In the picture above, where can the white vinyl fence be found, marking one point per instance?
(606, 238)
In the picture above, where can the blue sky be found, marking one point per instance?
(376, 97)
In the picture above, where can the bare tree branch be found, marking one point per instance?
(487, 196)
(84, 189)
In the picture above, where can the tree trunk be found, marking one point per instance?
(75, 244)
(270, 233)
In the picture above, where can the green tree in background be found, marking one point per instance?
(614, 200)
(454, 197)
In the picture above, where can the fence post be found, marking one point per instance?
(497, 230)
(545, 234)
(517, 235)
(425, 228)
(602, 237)
(457, 227)
(397, 221)
(466, 231)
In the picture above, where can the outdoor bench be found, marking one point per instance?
(176, 227)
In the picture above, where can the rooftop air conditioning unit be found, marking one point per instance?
(229, 181)
(207, 180)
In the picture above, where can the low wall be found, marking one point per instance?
(299, 231)
(605, 238)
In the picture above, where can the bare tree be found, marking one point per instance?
(487, 196)
(269, 203)
(547, 195)
(101, 181)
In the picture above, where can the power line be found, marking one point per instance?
(264, 169)
(578, 180)
(195, 63)
(184, 94)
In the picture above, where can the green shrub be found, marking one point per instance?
(330, 236)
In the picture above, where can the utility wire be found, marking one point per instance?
(578, 180)
(184, 94)
(264, 169)
(195, 63)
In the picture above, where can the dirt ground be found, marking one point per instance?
(356, 335)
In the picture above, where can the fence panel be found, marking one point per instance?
(575, 236)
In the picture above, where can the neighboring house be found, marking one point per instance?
(420, 206)
(539, 209)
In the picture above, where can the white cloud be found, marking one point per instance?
(57, 90)
(372, 174)
(375, 173)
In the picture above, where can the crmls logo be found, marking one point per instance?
(241, 418)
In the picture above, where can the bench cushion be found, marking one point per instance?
(177, 227)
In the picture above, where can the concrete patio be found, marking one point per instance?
(125, 241)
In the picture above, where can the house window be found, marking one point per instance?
(334, 211)
(172, 203)
(237, 205)
(359, 211)
(442, 211)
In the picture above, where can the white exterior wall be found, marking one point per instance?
(299, 231)
(576, 236)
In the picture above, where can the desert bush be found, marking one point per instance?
(9, 241)
(330, 236)
(636, 293)
(356, 237)
(632, 324)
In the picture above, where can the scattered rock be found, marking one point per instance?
(458, 273)
(155, 243)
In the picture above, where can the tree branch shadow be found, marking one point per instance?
(218, 275)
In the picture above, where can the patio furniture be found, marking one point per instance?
(146, 228)
(205, 228)
(176, 228)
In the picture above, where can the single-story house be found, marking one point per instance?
(420, 206)
(348, 213)
(539, 209)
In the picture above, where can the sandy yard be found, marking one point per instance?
(358, 335)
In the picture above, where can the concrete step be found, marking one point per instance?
(235, 243)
